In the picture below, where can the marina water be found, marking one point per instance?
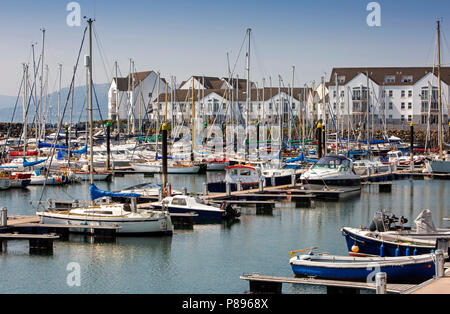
(209, 258)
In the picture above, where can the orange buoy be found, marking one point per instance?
(355, 249)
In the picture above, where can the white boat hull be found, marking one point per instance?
(152, 168)
(438, 166)
(5, 184)
(160, 224)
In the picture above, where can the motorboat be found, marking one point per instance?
(205, 212)
(332, 170)
(385, 238)
(241, 175)
(404, 269)
(368, 167)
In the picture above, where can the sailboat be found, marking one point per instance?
(128, 218)
(441, 164)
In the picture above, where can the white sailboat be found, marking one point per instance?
(129, 219)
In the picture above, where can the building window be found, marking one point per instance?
(390, 117)
(410, 105)
(409, 118)
(391, 93)
(341, 79)
(391, 106)
(410, 93)
(402, 118)
(389, 79)
(407, 79)
(403, 93)
(403, 106)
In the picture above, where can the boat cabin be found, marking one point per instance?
(334, 162)
(243, 174)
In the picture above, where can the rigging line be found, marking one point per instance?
(237, 59)
(27, 108)
(258, 60)
(62, 116)
(102, 54)
(12, 118)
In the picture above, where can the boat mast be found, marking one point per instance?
(439, 91)
(117, 105)
(337, 111)
(42, 86)
(193, 122)
(89, 65)
(59, 92)
(25, 97)
(247, 137)
(290, 109)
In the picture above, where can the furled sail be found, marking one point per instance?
(97, 193)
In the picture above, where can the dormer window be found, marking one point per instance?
(407, 79)
(341, 79)
(389, 79)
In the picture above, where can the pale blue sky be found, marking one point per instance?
(184, 37)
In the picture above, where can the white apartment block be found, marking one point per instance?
(397, 96)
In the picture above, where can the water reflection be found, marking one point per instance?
(208, 258)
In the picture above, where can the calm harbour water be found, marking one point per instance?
(210, 258)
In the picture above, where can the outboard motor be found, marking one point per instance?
(379, 223)
(230, 211)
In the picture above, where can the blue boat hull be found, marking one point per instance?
(204, 216)
(411, 273)
(373, 246)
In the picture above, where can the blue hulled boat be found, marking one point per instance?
(405, 269)
(384, 238)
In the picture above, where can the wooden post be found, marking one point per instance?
(108, 146)
(319, 138)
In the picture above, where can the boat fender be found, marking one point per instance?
(407, 251)
(415, 252)
(397, 252)
(355, 249)
(382, 250)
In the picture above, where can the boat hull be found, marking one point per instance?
(127, 226)
(414, 271)
(372, 246)
(204, 216)
(438, 166)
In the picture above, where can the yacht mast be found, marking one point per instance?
(440, 92)
(89, 65)
(247, 137)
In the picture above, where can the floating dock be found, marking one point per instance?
(271, 284)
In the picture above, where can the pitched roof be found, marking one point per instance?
(379, 75)
(185, 95)
(126, 83)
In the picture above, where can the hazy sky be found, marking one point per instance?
(184, 37)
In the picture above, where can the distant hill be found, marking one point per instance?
(101, 91)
